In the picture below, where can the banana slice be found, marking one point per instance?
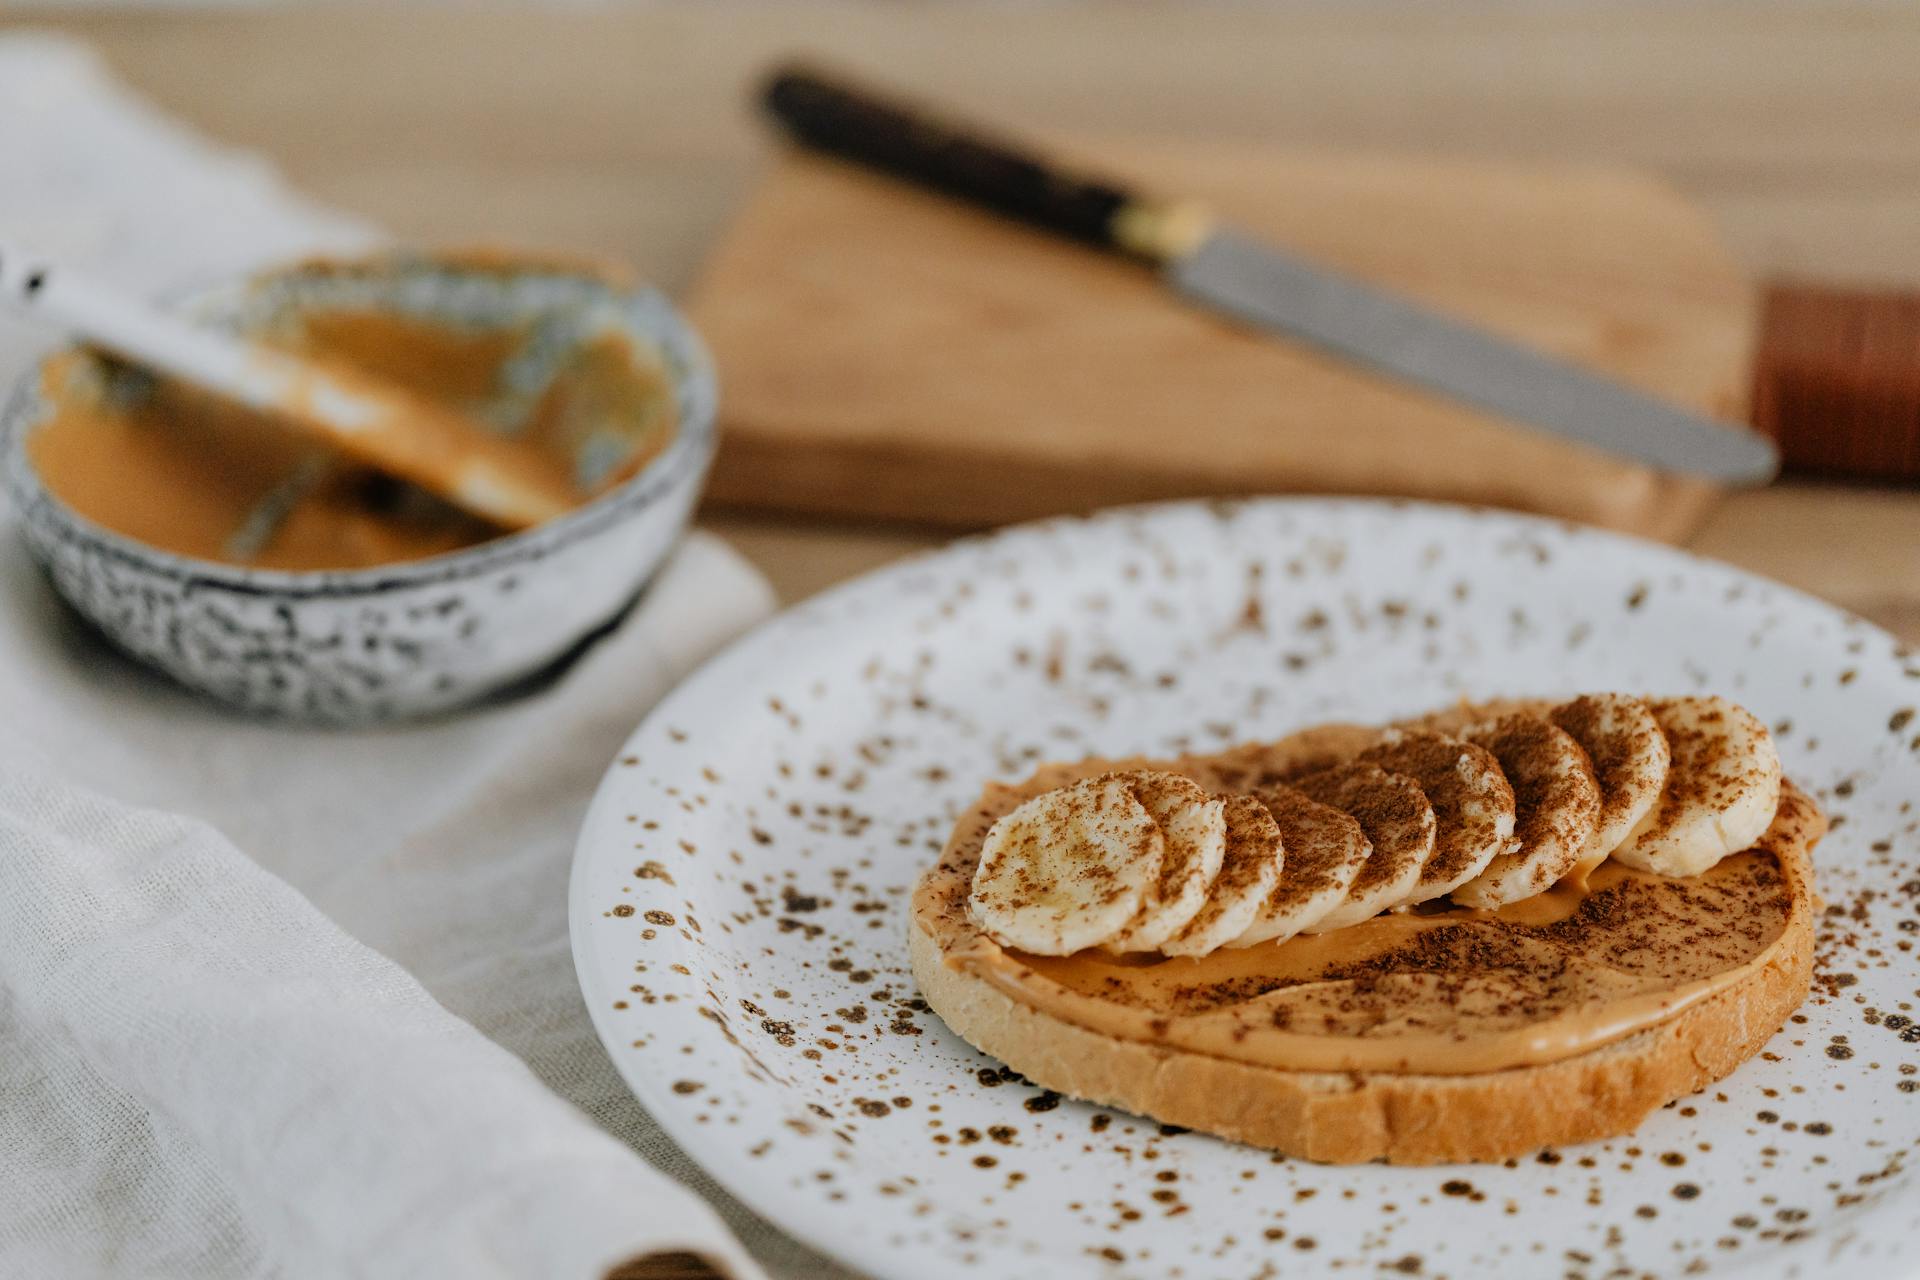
(1069, 869)
(1325, 851)
(1398, 822)
(1556, 809)
(1472, 805)
(1195, 827)
(1630, 759)
(1254, 859)
(1722, 790)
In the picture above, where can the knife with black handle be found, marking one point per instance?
(894, 139)
(1253, 283)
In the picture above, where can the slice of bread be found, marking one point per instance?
(1352, 1116)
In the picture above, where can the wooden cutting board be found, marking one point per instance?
(887, 353)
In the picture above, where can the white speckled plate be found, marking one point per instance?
(740, 897)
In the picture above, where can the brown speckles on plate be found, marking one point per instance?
(793, 789)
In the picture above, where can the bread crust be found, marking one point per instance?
(1352, 1117)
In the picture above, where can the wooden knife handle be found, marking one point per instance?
(1837, 380)
(1003, 176)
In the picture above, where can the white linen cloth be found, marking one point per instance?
(313, 1020)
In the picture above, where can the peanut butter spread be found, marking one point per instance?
(179, 469)
(1441, 990)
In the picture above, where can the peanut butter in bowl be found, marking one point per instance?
(177, 468)
(248, 560)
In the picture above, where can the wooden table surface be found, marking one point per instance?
(627, 130)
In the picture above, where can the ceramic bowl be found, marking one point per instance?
(397, 640)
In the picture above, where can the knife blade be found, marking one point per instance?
(1252, 283)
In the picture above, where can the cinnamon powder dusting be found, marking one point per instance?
(1464, 784)
(1321, 843)
(1438, 989)
(1556, 796)
(1618, 754)
(1462, 972)
(1390, 808)
(1252, 838)
(1712, 776)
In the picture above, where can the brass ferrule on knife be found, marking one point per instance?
(1161, 231)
